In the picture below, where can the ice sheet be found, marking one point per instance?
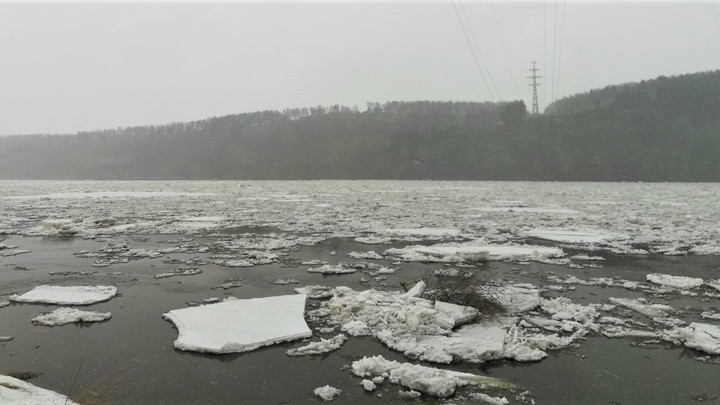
(240, 325)
(67, 295)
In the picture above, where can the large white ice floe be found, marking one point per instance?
(63, 316)
(428, 380)
(66, 295)
(473, 251)
(699, 336)
(682, 282)
(18, 392)
(571, 237)
(235, 326)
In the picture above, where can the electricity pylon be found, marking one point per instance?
(534, 84)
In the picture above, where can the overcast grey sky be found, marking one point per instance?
(67, 67)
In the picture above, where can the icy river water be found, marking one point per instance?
(634, 266)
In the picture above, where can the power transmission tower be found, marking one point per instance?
(534, 84)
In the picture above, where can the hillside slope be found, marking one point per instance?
(666, 129)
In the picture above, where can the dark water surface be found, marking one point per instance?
(131, 359)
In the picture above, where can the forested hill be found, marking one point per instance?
(666, 129)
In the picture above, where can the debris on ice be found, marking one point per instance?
(240, 325)
(64, 316)
(66, 295)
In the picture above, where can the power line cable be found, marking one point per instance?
(472, 51)
(502, 43)
(477, 47)
(552, 92)
(562, 41)
(544, 82)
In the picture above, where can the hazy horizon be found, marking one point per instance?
(72, 67)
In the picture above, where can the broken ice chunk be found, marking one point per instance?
(323, 346)
(63, 316)
(240, 325)
(674, 281)
(327, 393)
(699, 336)
(429, 380)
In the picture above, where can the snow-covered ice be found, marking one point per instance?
(63, 316)
(240, 325)
(66, 295)
(18, 392)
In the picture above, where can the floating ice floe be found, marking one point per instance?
(66, 295)
(473, 252)
(14, 252)
(528, 210)
(327, 393)
(586, 257)
(316, 291)
(63, 316)
(428, 380)
(236, 325)
(179, 273)
(332, 269)
(699, 336)
(109, 195)
(659, 313)
(365, 255)
(322, 346)
(373, 240)
(424, 232)
(681, 282)
(571, 237)
(18, 392)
